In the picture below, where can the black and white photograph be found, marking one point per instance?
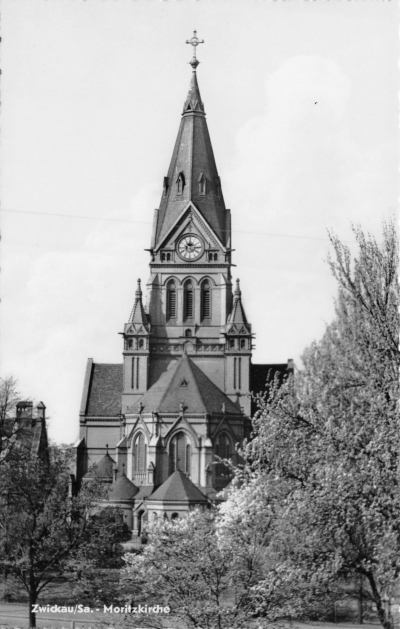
(199, 376)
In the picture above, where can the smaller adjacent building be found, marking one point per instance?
(27, 429)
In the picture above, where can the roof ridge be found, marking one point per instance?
(173, 369)
(204, 375)
(191, 363)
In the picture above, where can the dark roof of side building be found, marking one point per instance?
(178, 488)
(262, 375)
(104, 390)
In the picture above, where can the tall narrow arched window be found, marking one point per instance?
(223, 450)
(202, 184)
(205, 300)
(188, 301)
(171, 300)
(242, 343)
(180, 183)
(139, 454)
(180, 454)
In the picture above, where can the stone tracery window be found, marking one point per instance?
(139, 454)
(224, 451)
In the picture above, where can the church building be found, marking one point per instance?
(159, 424)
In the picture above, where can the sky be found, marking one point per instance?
(302, 107)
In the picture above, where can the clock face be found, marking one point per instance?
(190, 247)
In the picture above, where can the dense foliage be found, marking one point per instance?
(187, 568)
(316, 504)
(42, 524)
(325, 452)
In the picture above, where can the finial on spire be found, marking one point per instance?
(238, 291)
(138, 290)
(194, 41)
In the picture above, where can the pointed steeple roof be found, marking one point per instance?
(138, 314)
(193, 100)
(237, 314)
(178, 488)
(103, 469)
(122, 489)
(185, 386)
(192, 174)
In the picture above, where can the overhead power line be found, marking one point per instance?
(122, 220)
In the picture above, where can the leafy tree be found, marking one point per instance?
(41, 524)
(9, 425)
(95, 565)
(325, 453)
(186, 565)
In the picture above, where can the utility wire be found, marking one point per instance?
(121, 220)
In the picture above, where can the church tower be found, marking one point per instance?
(162, 423)
(189, 293)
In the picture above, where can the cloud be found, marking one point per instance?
(299, 169)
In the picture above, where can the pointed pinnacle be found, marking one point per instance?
(238, 292)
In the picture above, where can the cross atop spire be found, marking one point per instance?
(194, 41)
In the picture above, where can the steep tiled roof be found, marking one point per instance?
(104, 398)
(144, 491)
(185, 383)
(122, 489)
(193, 155)
(178, 488)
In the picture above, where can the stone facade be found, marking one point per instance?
(180, 401)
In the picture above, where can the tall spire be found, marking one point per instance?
(192, 174)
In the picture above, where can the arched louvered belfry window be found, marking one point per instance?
(205, 300)
(188, 300)
(224, 451)
(140, 454)
(171, 300)
(180, 454)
